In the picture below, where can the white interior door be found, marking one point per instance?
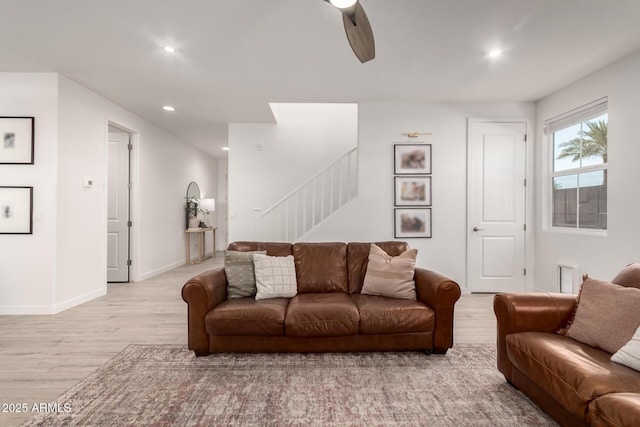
(118, 207)
(496, 204)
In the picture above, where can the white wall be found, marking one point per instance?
(27, 262)
(69, 241)
(600, 257)
(267, 161)
(166, 167)
(370, 216)
(163, 167)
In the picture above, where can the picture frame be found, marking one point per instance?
(412, 223)
(17, 140)
(412, 190)
(412, 159)
(16, 210)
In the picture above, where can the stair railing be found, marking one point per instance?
(312, 202)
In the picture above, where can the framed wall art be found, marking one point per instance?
(16, 210)
(412, 222)
(412, 190)
(412, 159)
(17, 140)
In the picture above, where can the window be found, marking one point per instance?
(578, 180)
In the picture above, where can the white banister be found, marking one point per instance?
(313, 201)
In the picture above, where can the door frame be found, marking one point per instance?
(530, 190)
(133, 196)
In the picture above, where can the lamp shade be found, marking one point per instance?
(208, 204)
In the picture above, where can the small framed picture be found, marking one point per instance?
(412, 190)
(412, 159)
(16, 210)
(412, 222)
(16, 140)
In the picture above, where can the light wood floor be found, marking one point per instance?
(43, 356)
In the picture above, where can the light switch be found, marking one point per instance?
(87, 182)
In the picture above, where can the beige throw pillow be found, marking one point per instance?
(629, 354)
(607, 315)
(389, 276)
(275, 276)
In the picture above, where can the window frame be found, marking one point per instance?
(570, 118)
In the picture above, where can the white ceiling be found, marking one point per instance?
(235, 56)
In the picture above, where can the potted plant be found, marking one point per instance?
(192, 206)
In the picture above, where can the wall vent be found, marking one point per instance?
(568, 278)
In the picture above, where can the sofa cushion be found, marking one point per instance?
(358, 260)
(381, 315)
(571, 372)
(628, 276)
(246, 316)
(629, 354)
(321, 267)
(275, 276)
(606, 316)
(390, 276)
(241, 277)
(615, 409)
(331, 314)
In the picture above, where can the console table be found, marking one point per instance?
(201, 243)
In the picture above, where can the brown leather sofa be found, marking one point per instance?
(329, 314)
(574, 383)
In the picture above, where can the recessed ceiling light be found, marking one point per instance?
(168, 108)
(495, 53)
(225, 148)
(169, 49)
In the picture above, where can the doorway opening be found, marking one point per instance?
(119, 223)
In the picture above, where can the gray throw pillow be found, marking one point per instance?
(241, 277)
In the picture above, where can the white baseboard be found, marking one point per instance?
(15, 310)
(80, 300)
(150, 274)
(169, 267)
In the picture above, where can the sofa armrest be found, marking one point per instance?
(539, 312)
(202, 293)
(440, 293)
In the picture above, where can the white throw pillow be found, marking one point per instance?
(275, 276)
(629, 354)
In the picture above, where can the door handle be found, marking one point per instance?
(476, 229)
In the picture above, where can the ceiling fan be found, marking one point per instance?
(357, 28)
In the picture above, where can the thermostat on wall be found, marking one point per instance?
(87, 182)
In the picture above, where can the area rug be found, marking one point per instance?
(164, 385)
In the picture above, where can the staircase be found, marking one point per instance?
(312, 202)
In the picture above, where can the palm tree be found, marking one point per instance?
(590, 143)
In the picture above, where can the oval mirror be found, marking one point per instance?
(192, 191)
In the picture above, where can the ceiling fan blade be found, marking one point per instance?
(359, 33)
